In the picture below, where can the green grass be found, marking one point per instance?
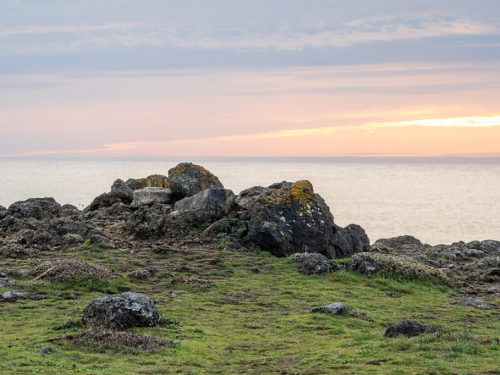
(250, 322)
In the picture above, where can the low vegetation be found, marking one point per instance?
(230, 312)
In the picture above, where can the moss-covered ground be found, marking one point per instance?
(255, 319)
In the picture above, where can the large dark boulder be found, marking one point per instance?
(120, 193)
(188, 179)
(399, 242)
(348, 241)
(35, 208)
(122, 311)
(408, 328)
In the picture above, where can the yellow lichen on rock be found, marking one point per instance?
(155, 180)
(302, 191)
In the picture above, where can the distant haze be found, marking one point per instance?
(249, 78)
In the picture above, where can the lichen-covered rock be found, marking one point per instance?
(291, 218)
(214, 203)
(337, 308)
(155, 180)
(408, 328)
(348, 241)
(120, 193)
(312, 263)
(364, 264)
(122, 311)
(151, 195)
(188, 179)
(16, 295)
(476, 303)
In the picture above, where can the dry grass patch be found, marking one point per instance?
(70, 270)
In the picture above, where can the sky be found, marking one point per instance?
(248, 78)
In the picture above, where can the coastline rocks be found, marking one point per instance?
(476, 303)
(188, 179)
(16, 295)
(120, 193)
(364, 264)
(408, 328)
(214, 203)
(348, 241)
(151, 195)
(290, 218)
(155, 180)
(122, 311)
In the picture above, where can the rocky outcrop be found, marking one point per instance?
(122, 311)
(364, 264)
(155, 180)
(151, 195)
(188, 179)
(120, 193)
(337, 308)
(289, 218)
(214, 203)
(313, 263)
(16, 295)
(408, 328)
(476, 303)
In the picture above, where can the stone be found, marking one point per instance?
(291, 219)
(348, 241)
(397, 242)
(122, 311)
(155, 180)
(313, 263)
(408, 328)
(490, 246)
(215, 203)
(46, 350)
(96, 239)
(476, 303)
(364, 264)
(120, 193)
(3, 274)
(223, 225)
(188, 179)
(16, 295)
(5, 282)
(334, 308)
(151, 195)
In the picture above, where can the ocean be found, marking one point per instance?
(435, 200)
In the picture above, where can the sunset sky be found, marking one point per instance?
(249, 78)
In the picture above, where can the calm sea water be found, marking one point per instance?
(435, 202)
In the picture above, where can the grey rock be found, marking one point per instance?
(151, 195)
(215, 203)
(188, 179)
(120, 193)
(98, 238)
(476, 303)
(364, 264)
(291, 219)
(3, 274)
(334, 308)
(23, 271)
(348, 241)
(46, 350)
(5, 282)
(313, 263)
(122, 311)
(15, 295)
(397, 242)
(408, 328)
(490, 246)
(223, 225)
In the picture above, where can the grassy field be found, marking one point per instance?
(256, 318)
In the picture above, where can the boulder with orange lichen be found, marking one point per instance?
(288, 218)
(188, 179)
(155, 180)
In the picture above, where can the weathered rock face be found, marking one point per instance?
(215, 203)
(155, 180)
(348, 241)
(364, 264)
(188, 179)
(151, 195)
(122, 311)
(408, 328)
(290, 218)
(120, 193)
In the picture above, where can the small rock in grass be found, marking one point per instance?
(4, 282)
(46, 350)
(335, 309)
(364, 264)
(15, 295)
(476, 303)
(408, 328)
